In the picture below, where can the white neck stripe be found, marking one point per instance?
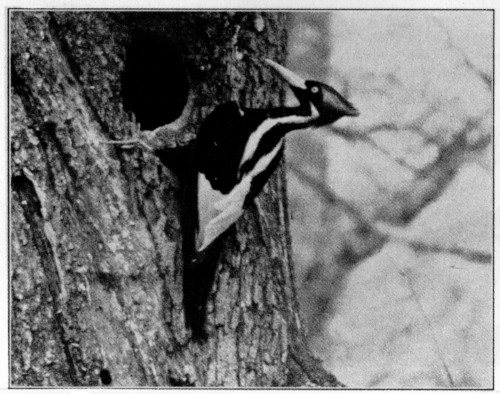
(267, 125)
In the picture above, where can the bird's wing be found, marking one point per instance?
(218, 214)
(217, 217)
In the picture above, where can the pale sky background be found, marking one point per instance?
(407, 318)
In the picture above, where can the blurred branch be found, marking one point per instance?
(382, 231)
(411, 125)
(485, 77)
(415, 124)
(397, 234)
(431, 181)
(401, 162)
(429, 323)
(473, 255)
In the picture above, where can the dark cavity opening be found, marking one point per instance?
(154, 82)
(105, 376)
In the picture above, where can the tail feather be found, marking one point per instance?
(199, 267)
(199, 276)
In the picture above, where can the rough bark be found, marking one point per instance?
(96, 268)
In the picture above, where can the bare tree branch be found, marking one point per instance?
(400, 235)
(429, 323)
(432, 180)
(381, 230)
(485, 77)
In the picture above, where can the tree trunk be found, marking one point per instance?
(96, 264)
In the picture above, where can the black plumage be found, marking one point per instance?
(236, 151)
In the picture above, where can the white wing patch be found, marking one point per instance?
(229, 208)
(207, 197)
(233, 209)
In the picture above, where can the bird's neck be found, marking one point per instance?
(293, 118)
(300, 111)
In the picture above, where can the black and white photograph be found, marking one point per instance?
(294, 198)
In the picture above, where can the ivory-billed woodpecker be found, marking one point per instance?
(236, 151)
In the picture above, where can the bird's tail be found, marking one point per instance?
(199, 275)
(199, 267)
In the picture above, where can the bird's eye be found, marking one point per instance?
(315, 89)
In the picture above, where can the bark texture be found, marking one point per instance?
(96, 268)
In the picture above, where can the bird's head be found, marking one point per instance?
(325, 100)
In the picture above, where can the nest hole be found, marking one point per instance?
(154, 82)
